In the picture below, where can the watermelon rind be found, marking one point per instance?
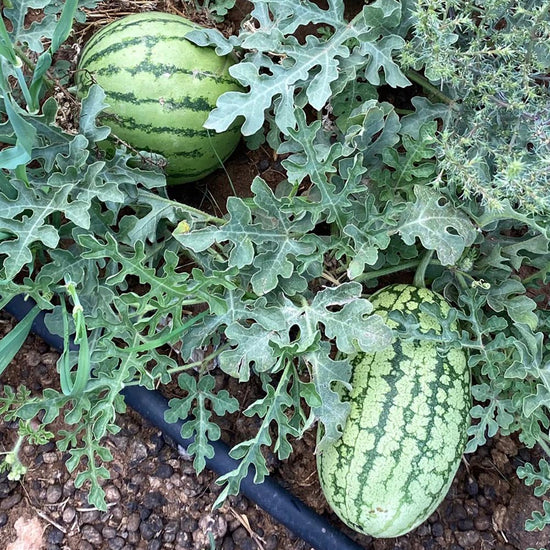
(160, 89)
(407, 427)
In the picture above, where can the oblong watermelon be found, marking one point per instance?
(407, 428)
(160, 89)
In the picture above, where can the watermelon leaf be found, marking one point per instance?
(327, 374)
(314, 68)
(440, 227)
(197, 420)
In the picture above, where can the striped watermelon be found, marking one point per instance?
(406, 431)
(160, 88)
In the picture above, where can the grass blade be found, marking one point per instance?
(12, 342)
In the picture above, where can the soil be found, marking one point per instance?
(157, 501)
(155, 498)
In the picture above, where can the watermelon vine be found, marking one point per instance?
(407, 146)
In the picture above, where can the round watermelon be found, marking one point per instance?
(160, 89)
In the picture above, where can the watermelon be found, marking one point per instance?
(404, 438)
(160, 89)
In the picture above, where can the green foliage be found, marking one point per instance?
(379, 183)
(216, 9)
(491, 61)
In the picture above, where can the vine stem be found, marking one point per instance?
(388, 270)
(537, 275)
(428, 86)
(544, 445)
(195, 212)
(420, 273)
(31, 65)
(198, 364)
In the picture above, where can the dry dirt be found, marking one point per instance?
(156, 501)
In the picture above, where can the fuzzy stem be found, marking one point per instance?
(387, 270)
(198, 364)
(31, 65)
(420, 273)
(429, 87)
(544, 446)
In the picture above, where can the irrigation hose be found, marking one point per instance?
(269, 495)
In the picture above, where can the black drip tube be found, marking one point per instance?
(269, 495)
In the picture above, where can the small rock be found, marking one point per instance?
(120, 441)
(117, 513)
(472, 488)
(422, 531)
(467, 539)
(457, 512)
(170, 531)
(33, 358)
(138, 451)
(183, 541)
(112, 494)
(242, 540)
(109, 532)
(215, 524)
(133, 522)
(29, 450)
(188, 524)
(437, 529)
(465, 524)
(228, 544)
(157, 443)
(483, 502)
(472, 508)
(482, 523)
(144, 513)
(55, 536)
(154, 499)
(271, 543)
(68, 488)
(69, 514)
(9, 502)
(490, 492)
(5, 489)
(134, 537)
(50, 457)
(3, 519)
(54, 493)
(151, 528)
(154, 544)
(164, 471)
(117, 543)
(507, 445)
(91, 534)
(263, 165)
(89, 516)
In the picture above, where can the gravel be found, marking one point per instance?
(157, 502)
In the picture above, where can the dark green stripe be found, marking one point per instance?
(129, 123)
(160, 70)
(132, 21)
(186, 102)
(193, 154)
(147, 41)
